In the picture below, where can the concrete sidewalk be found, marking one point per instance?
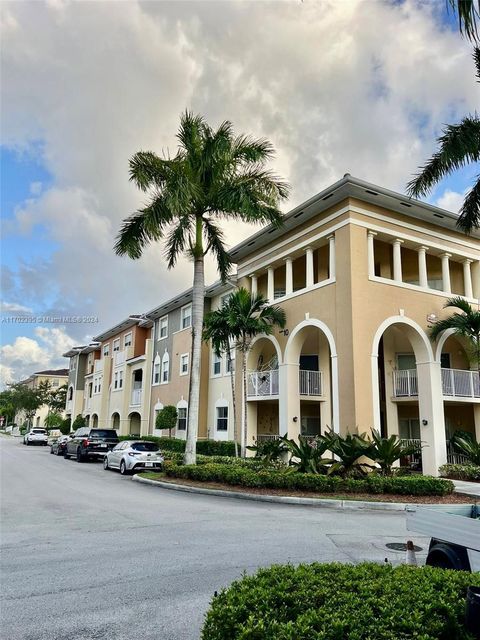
(468, 488)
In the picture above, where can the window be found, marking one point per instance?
(116, 345)
(127, 341)
(70, 393)
(184, 364)
(217, 365)
(165, 367)
(186, 316)
(72, 363)
(97, 384)
(222, 418)
(106, 350)
(55, 382)
(163, 327)
(90, 388)
(223, 299)
(156, 370)
(182, 418)
(118, 380)
(445, 361)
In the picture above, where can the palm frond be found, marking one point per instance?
(470, 212)
(179, 240)
(476, 58)
(145, 226)
(459, 145)
(468, 14)
(147, 170)
(215, 239)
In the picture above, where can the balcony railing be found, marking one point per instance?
(310, 383)
(262, 384)
(456, 383)
(136, 397)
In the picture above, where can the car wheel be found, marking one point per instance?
(59, 453)
(51, 450)
(105, 463)
(27, 443)
(123, 468)
(80, 457)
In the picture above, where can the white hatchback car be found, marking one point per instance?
(36, 436)
(134, 455)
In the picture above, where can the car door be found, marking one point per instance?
(116, 454)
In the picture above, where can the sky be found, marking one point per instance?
(337, 86)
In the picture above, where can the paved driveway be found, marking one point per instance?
(91, 555)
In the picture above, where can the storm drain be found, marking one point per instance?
(401, 546)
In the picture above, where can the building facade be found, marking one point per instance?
(55, 378)
(361, 273)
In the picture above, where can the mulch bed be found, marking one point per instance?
(454, 498)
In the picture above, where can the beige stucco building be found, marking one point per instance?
(56, 378)
(361, 273)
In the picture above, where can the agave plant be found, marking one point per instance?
(468, 446)
(306, 454)
(386, 451)
(269, 451)
(348, 450)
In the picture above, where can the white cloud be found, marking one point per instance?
(13, 307)
(451, 200)
(344, 86)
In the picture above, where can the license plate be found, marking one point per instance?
(149, 464)
(102, 446)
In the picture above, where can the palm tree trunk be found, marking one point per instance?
(244, 403)
(197, 325)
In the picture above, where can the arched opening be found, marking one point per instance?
(94, 421)
(87, 420)
(263, 361)
(134, 424)
(399, 345)
(116, 421)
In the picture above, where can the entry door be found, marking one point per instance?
(309, 363)
(405, 361)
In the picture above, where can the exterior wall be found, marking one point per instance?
(33, 382)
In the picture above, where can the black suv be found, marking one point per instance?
(90, 443)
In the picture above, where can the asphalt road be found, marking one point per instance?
(89, 555)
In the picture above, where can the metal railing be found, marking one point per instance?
(455, 458)
(456, 383)
(310, 383)
(262, 384)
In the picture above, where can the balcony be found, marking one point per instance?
(262, 384)
(456, 383)
(119, 358)
(310, 383)
(136, 398)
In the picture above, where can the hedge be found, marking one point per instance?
(204, 447)
(241, 475)
(342, 602)
(461, 471)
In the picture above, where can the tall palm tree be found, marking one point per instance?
(468, 13)
(458, 146)
(243, 317)
(213, 177)
(465, 325)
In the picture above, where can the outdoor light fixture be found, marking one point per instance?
(431, 317)
(424, 422)
(295, 419)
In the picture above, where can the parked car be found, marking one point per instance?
(133, 455)
(58, 446)
(87, 443)
(36, 436)
(53, 435)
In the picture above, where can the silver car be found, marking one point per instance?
(134, 455)
(36, 436)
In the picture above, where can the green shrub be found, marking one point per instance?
(244, 475)
(204, 447)
(461, 471)
(342, 602)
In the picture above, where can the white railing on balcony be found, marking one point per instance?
(453, 457)
(405, 383)
(262, 384)
(310, 383)
(119, 358)
(461, 383)
(457, 383)
(136, 397)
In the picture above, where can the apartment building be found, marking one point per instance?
(55, 378)
(361, 272)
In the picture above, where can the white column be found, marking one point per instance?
(476, 419)
(288, 276)
(467, 279)
(289, 418)
(254, 285)
(397, 260)
(422, 266)
(475, 271)
(371, 253)
(447, 287)
(271, 284)
(432, 419)
(309, 266)
(331, 257)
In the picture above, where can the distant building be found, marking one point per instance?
(56, 378)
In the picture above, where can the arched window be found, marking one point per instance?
(156, 370)
(165, 367)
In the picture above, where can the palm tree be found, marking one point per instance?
(459, 145)
(465, 325)
(468, 14)
(242, 317)
(213, 177)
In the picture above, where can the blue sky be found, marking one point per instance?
(98, 84)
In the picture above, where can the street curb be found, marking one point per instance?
(345, 505)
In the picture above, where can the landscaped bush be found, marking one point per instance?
(204, 447)
(242, 475)
(461, 471)
(342, 602)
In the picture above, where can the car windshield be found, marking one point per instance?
(103, 433)
(145, 446)
(42, 431)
